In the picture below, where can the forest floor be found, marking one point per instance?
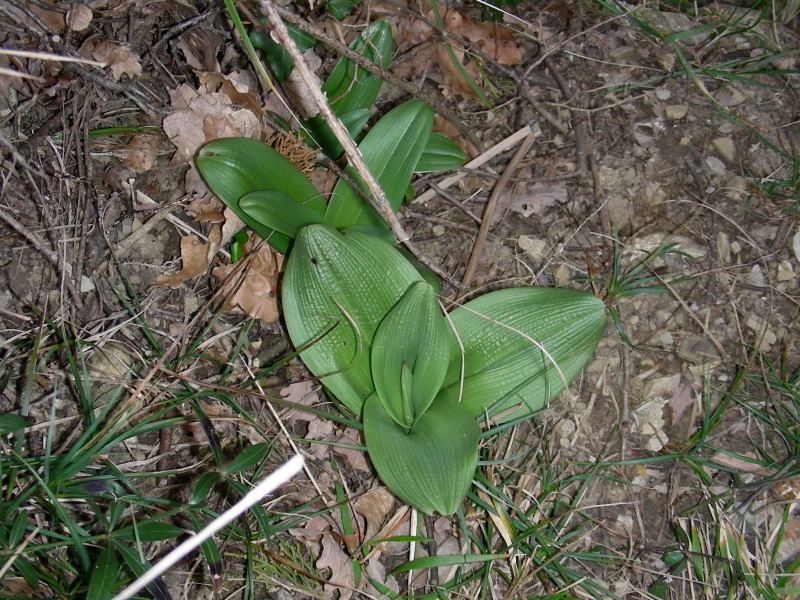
(663, 176)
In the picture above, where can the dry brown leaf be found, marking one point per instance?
(20, 588)
(533, 199)
(335, 559)
(232, 86)
(201, 116)
(491, 39)
(200, 47)
(206, 210)
(444, 126)
(255, 293)
(121, 60)
(193, 256)
(319, 429)
(374, 506)
(53, 19)
(79, 16)
(296, 89)
(141, 152)
(231, 226)
(301, 393)
(355, 458)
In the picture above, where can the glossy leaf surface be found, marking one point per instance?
(279, 211)
(391, 151)
(440, 154)
(234, 167)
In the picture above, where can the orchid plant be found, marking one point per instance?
(373, 330)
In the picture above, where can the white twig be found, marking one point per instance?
(476, 162)
(268, 485)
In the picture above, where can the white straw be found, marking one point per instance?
(268, 485)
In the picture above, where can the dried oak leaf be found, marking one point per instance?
(255, 291)
(53, 19)
(195, 262)
(374, 506)
(530, 199)
(201, 116)
(141, 152)
(491, 39)
(335, 559)
(207, 209)
(121, 60)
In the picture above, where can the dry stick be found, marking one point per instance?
(391, 78)
(378, 200)
(479, 160)
(578, 120)
(488, 213)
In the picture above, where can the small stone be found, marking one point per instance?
(723, 247)
(730, 96)
(755, 277)
(715, 165)
(439, 230)
(664, 339)
(697, 349)
(674, 112)
(663, 93)
(785, 271)
(663, 387)
(87, 285)
(796, 245)
(736, 247)
(724, 145)
(765, 337)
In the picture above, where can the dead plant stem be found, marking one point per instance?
(491, 206)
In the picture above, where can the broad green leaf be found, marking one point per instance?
(320, 135)
(277, 57)
(279, 211)
(247, 458)
(350, 87)
(391, 151)
(507, 373)
(410, 355)
(104, 575)
(234, 167)
(430, 468)
(342, 284)
(441, 154)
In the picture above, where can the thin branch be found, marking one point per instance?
(488, 213)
